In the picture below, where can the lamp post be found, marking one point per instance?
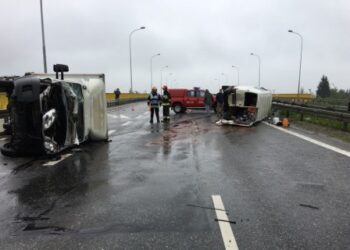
(43, 35)
(223, 74)
(301, 56)
(152, 67)
(132, 32)
(235, 67)
(257, 56)
(217, 81)
(167, 78)
(161, 77)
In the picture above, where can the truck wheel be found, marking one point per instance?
(178, 108)
(8, 151)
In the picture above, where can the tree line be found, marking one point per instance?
(325, 91)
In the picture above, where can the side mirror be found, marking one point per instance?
(49, 118)
(60, 68)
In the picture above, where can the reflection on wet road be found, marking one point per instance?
(150, 187)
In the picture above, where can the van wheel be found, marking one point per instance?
(178, 108)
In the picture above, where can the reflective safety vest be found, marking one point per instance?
(154, 100)
(166, 100)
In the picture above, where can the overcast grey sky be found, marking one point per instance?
(198, 39)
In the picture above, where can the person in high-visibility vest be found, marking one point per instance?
(166, 102)
(154, 102)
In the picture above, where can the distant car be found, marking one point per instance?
(48, 115)
(182, 99)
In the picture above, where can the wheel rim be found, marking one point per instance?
(177, 108)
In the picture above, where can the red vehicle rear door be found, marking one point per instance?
(190, 99)
(200, 98)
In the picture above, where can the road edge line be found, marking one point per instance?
(306, 138)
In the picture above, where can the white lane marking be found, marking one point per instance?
(225, 227)
(118, 116)
(52, 163)
(3, 139)
(126, 123)
(319, 143)
(139, 116)
(113, 116)
(124, 117)
(110, 132)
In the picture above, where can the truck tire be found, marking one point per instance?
(178, 108)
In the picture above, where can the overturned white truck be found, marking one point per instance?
(48, 114)
(244, 106)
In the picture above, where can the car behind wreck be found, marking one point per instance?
(244, 105)
(48, 115)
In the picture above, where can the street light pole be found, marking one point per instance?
(43, 35)
(141, 28)
(301, 56)
(252, 54)
(161, 77)
(237, 73)
(167, 78)
(152, 67)
(223, 74)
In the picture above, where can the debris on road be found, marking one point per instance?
(309, 206)
(210, 208)
(229, 221)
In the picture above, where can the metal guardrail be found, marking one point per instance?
(309, 105)
(341, 116)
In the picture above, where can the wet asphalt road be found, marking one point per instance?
(151, 187)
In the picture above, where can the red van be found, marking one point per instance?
(182, 99)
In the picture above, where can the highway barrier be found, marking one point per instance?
(124, 98)
(3, 101)
(303, 98)
(340, 116)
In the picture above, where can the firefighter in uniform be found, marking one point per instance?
(166, 102)
(154, 102)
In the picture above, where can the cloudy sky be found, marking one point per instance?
(199, 40)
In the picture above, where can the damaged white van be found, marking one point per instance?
(48, 115)
(245, 106)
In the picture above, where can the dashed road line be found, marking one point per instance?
(52, 163)
(319, 143)
(110, 132)
(118, 116)
(124, 117)
(126, 123)
(224, 224)
(140, 116)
